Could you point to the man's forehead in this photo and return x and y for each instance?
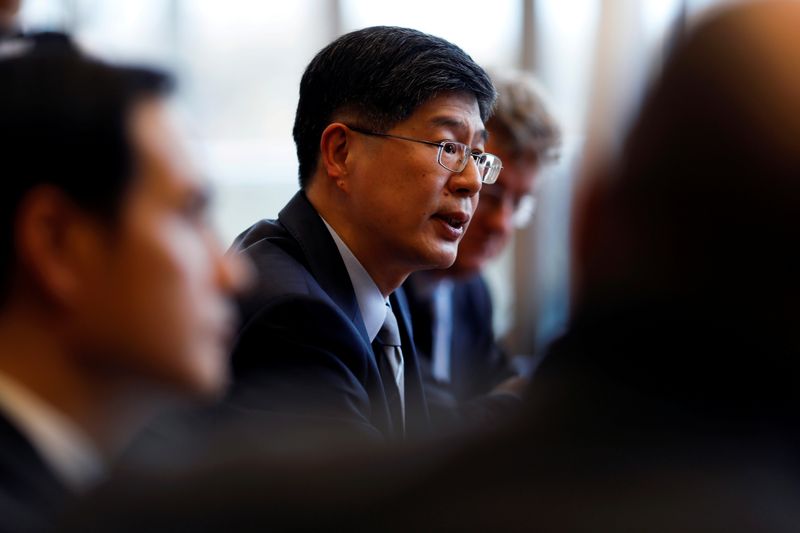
(461, 124)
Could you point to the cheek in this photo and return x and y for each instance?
(164, 275)
(505, 237)
(472, 239)
(181, 271)
(480, 243)
(471, 247)
(419, 178)
(406, 202)
(172, 309)
(428, 194)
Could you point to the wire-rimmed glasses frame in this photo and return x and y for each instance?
(489, 165)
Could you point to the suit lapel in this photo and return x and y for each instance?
(417, 420)
(25, 475)
(325, 263)
(305, 225)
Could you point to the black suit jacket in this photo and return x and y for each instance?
(302, 353)
(30, 493)
(477, 364)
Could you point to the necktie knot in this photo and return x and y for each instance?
(389, 334)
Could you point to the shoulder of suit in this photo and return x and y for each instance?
(475, 286)
(280, 265)
(272, 250)
(263, 230)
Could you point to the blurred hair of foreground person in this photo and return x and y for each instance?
(114, 297)
(671, 403)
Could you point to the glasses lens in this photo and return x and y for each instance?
(453, 156)
(523, 213)
(489, 167)
(494, 197)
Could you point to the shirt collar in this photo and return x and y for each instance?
(60, 443)
(371, 303)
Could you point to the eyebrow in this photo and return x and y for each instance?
(457, 124)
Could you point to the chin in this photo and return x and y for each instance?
(205, 388)
(440, 257)
(446, 261)
(208, 376)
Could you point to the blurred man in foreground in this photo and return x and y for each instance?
(9, 10)
(114, 297)
(451, 309)
(671, 404)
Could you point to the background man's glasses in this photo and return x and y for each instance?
(453, 156)
(522, 207)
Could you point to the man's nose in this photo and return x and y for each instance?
(467, 182)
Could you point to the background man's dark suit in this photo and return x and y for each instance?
(30, 493)
(303, 355)
(477, 364)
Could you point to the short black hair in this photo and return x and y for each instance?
(382, 75)
(63, 122)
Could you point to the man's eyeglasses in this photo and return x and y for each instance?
(453, 156)
(522, 207)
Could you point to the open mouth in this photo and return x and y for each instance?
(453, 221)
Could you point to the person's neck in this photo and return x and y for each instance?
(387, 277)
(106, 412)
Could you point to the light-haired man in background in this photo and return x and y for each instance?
(452, 308)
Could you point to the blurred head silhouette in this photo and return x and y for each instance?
(115, 295)
(703, 204)
(8, 14)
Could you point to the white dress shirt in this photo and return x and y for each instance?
(371, 303)
(437, 292)
(442, 330)
(59, 442)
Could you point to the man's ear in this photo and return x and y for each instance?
(334, 147)
(57, 242)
